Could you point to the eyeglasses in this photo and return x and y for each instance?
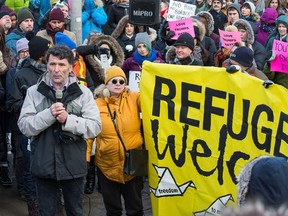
(24, 52)
(120, 81)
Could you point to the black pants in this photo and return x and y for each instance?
(131, 192)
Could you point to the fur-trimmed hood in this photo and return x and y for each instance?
(116, 52)
(248, 27)
(121, 27)
(243, 180)
(170, 54)
(209, 19)
(264, 178)
(102, 91)
(200, 25)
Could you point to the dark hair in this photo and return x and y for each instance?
(62, 52)
(3, 48)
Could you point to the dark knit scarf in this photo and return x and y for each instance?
(267, 28)
(139, 59)
(189, 60)
(248, 18)
(52, 32)
(37, 65)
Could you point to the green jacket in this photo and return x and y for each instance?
(276, 77)
(15, 5)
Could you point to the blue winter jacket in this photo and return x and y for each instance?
(93, 17)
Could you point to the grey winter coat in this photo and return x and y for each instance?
(58, 151)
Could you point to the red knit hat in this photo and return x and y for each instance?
(56, 14)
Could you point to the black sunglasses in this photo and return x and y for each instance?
(121, 82)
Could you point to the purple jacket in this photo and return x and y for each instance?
(266, 25)
(131, 65)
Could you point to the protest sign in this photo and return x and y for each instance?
(134, 80)
(228, 39)
(200, 132)
(280, 63)
(179, 10)
(181, 26)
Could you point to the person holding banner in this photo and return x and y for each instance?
(120, 115)
(144, 52)
(281, 35)
(243, 57)
(182, 51)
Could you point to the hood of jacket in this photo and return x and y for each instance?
(200, 25)
(269, 16)
(152, 33)
(282, 19)
(209, 19)
(247, 26)
(264, 178)
(102, 91)
(170, 54)
(120, 28)
(116, 52)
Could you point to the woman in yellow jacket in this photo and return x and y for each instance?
(125, 110)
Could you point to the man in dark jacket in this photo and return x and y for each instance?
(182, 51)
(220, 19)
(31, 69)
(59, 114)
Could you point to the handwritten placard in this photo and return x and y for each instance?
(280, 63)
(179, 10)
(228, 39)
(181, 26)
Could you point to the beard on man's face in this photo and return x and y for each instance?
(57, 29)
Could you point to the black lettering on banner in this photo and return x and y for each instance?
(221, 148)
(283, 119)
(186, 103)
(209, 109)
(171, 144)
(266, 145)
(244, 124)
(158, 97)
(205, 153)
(233, 161)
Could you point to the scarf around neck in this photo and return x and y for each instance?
(139, 59)
(51, 31)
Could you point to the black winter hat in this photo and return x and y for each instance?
(185, 40)
(243, 55)
(38, 46)
(3, 13)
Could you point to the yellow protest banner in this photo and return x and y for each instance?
(201, 126)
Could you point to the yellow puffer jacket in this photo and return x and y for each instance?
(109, 150)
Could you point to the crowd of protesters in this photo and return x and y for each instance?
(111, 45)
